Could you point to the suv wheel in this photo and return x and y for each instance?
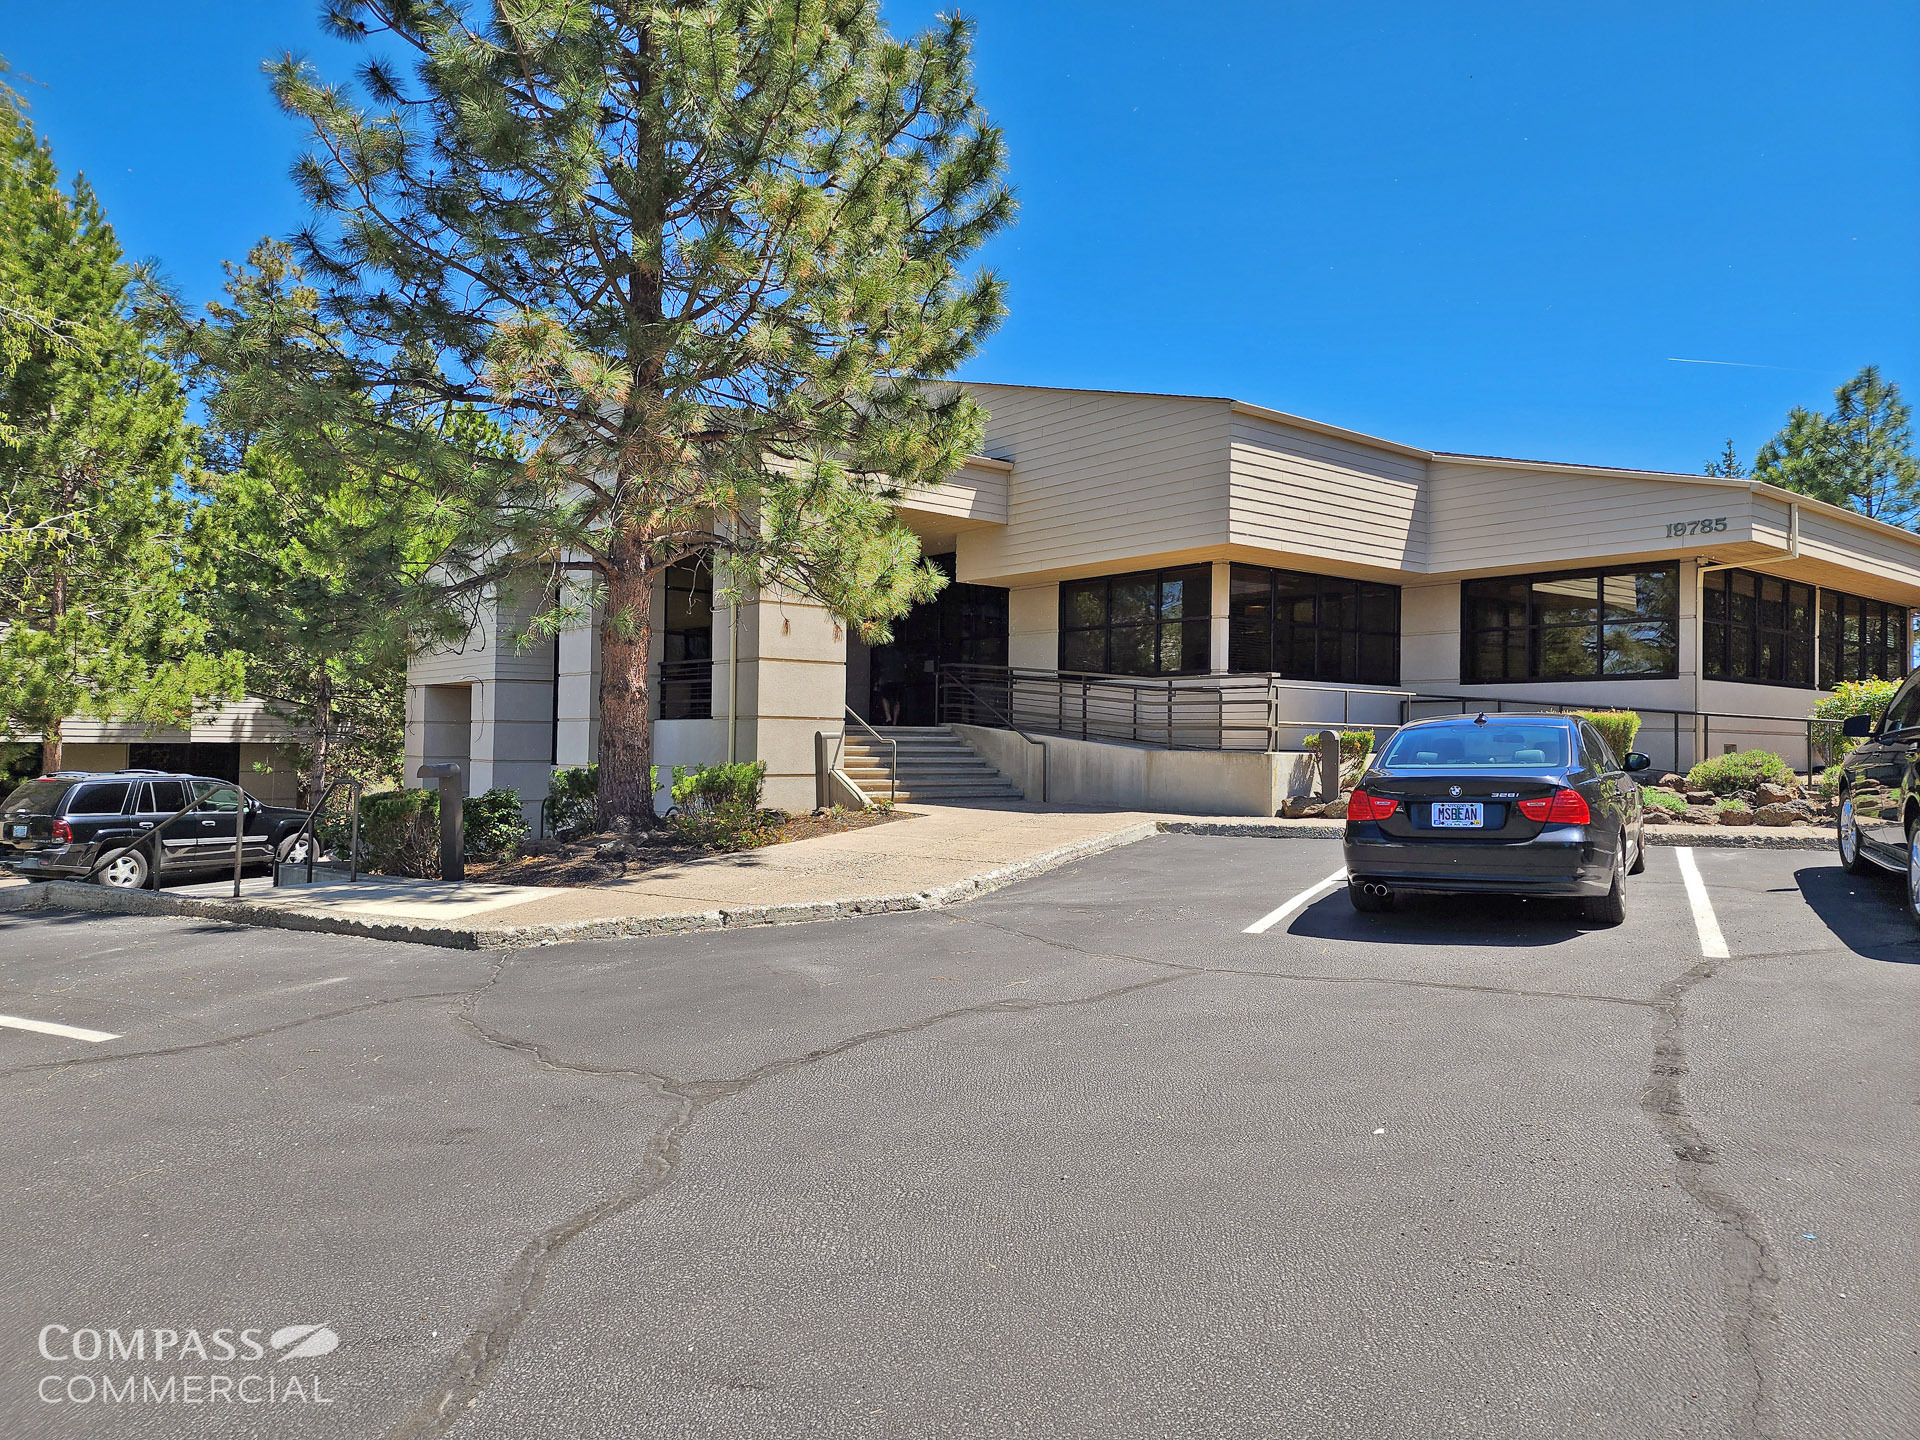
(293, 849)
(1847, 835)
(1913, 874)
(126, 871)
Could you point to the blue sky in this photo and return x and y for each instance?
(1481, 227)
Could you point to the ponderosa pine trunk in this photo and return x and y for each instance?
(322, 731)
(626, 720)
(50, 744)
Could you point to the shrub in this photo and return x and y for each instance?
(1849, 697)
(718, 806)
(493, 824)
(1617, 727)
(1355, 748)
(1829, 782)
(1743, 770)
(400, 833)
(572, 793)
(1665, 800)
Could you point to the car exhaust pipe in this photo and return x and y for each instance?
(1373, 887)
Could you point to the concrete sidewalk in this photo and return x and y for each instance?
(937, 855)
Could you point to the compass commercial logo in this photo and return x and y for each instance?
(230, 1365)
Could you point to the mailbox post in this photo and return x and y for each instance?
(1329, 765)
(453, 839)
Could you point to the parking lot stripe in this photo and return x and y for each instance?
(1298, 902)
(47, 1027)
(1713, 945)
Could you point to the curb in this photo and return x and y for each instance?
(68, 895)
(1700, 838)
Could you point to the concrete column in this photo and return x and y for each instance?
(579, 719)
(792, 684)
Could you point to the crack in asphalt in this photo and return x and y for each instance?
(1753, 1271)
(487, 1343)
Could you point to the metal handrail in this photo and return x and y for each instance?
(306, 829)
(893, 759)
(946, 678)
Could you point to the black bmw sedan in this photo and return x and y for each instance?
(1513, 804)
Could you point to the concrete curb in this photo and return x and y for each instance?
(66, 895)
(1697, 837)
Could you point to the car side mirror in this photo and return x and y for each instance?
(1635, 761)
(1857, 727)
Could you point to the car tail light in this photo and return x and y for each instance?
(63, 832)
(1563, 807)
(1362, 806)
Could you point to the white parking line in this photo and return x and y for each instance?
(1298, 902)
(1713, 945)
(47, 1027)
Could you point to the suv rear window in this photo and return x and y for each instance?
(163, 797)
(36, 797)
(100, 800)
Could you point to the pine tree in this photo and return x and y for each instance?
(700, 259)
(1860, 455)
(91, 436)
(1728, 465)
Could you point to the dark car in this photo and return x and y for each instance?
(114, 829)
(1880, 792)
(1513, 804)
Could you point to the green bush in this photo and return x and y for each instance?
(1829, 782)
(1356, 746)
(1849, 697)
(1617, 727)
(400, 833)
(572, 793)
(718, 806)
(1665, 800)
(493, 824)
(1743, 770)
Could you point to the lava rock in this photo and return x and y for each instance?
(1736, 816)
(1776, 815)
(1699, 797)
(1775, 794)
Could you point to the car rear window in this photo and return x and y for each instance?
(1495, 745)
(164, 797)
(109, 799)
(35, 797)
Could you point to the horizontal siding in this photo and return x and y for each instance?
(1490, 516)
(1100, 479)
(969, 494)
(1318, 495)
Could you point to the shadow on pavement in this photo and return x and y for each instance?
(1479, 920)
(1863, 911)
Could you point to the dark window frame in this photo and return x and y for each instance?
(686, 651)
(1343, 618)
(1195, 619)
(1840, 659)
(1737, 649)
(1532, 631)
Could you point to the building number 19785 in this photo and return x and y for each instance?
(1697, 527)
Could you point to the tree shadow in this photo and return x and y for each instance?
(1443, 920)
(1865, 912)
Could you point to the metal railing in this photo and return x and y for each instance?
(893, 753)
(306, 830)
(686, 690)
(956, 695)
(1180, 712)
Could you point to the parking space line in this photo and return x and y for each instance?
(47, 1027)
(1298, 902)
(1713, 945)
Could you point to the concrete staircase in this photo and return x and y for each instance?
(937, 767)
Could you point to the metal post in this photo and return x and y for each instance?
(1169, 714)
(353, 855)
(239, 834)
(453, 847)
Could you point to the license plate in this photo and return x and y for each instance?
(1457, 817)
(19, 832)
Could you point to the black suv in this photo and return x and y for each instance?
(77, 825)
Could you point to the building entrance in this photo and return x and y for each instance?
(962, 625)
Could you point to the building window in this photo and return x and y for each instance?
(686, 662)
(1757, 628)
(1861, 639)
(1150, 623)
(1584, 625)
(1313, 627)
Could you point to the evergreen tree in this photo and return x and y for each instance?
(1728, 465)
(322, 571)
(1860, 455)
(91, 436)
(700, 259)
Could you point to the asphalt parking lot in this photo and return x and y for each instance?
(1083, 1157)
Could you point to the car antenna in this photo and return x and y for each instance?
(1481, 718)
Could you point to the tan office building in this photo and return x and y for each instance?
(1166, 595)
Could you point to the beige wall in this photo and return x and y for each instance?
(1033, 627)
(1317, 496)
(793, 683)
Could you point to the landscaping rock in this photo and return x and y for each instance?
(1698, 815)
(1656, 816)
(1776, 815)
(1336, 810)
(1775, 794)
(1671, 781)
(1298, 807)
(1736, 816)
(1699, 797)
